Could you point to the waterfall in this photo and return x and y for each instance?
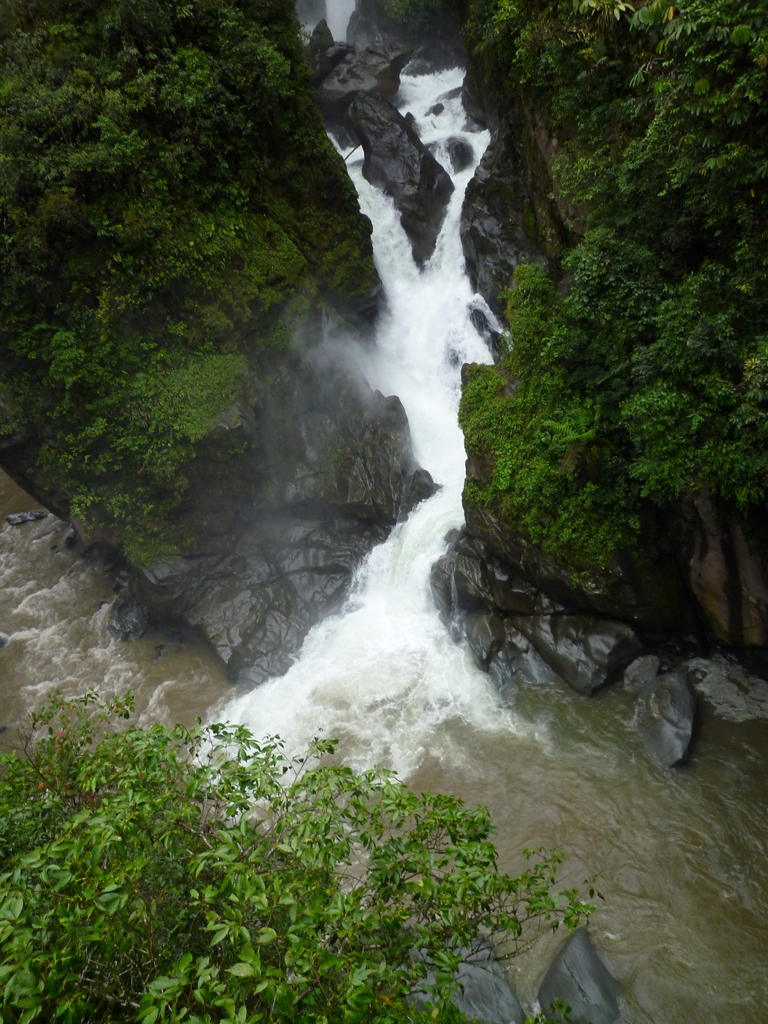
(383, 675)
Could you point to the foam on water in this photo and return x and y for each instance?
(384, 675)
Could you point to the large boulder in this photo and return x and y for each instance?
(323, 54)
(485, 993)
(128, 619)
(587, 652)
(664, 714)
(376, 69)
(397, 162)
(579, 978)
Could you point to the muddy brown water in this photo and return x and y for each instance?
(679, 856)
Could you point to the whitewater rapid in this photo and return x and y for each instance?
(383, 675)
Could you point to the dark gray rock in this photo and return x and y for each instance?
(419, 487)
(4, 638)
(580, 979)
(485, 635)
(460, 152)
(664, 714)
(587, 652)
(487, 332)
(439, 47)
(18, 518)
(642, 671)
(397, 162)
(485, 994)
(441, 584)
(373, 70)
(323, 54)
(517, 660)
(435, 109)
(128, 619)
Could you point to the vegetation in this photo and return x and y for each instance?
(175, 875)
(168, 202)
(648, 380)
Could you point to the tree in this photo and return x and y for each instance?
(199, 875)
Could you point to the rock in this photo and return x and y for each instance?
(586, 651)
(397, 162)
(485, 994)
(70, 541)
(664, 714)
(441, 584)
(511, 212)
(410, 120)
(518, 660)
(323, 54)
(460, 152)
(733, 692)
(435, 109)
(4, 638)
(488, 332)
(642, 671)
(420, 487)
(438, 47)
(128, 619)
(728, 572)
(18, 518)
(581, 980)
(485, 635)
(373, 70)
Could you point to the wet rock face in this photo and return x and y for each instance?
(436, 49)
(322, 469)
(516, 630)
(579, 978)
(728, 574)
(375, 69)
(397, 162)
(128, 619)
(664, 714)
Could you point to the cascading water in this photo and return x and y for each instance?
(681, 856)
(384, 675)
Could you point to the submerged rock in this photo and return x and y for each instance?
(18, 518)
(397, 162)
(664, 714)
(4, 638)
(580, 979)
(128, 619)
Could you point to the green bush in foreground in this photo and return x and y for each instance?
(167, 874)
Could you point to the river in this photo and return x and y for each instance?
(680, 856)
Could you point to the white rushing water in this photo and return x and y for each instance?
(384, 676)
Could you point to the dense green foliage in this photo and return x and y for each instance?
(648, 380)
(169, 875)
(166, 187)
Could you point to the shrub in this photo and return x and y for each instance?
(200, 875)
